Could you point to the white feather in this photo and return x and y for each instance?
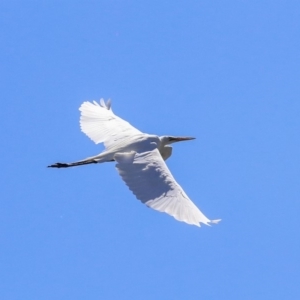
(149, 178)
(101, 125)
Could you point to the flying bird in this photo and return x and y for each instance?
(140, 161)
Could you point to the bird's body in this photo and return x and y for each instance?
(140, 161)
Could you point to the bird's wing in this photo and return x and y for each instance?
(101, 125)
(149, 178)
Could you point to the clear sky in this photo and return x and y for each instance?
(226, 72)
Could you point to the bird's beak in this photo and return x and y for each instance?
(181, 138)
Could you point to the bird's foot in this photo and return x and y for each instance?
(59, 165)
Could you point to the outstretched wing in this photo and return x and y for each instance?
(149, 178)
(101, 125)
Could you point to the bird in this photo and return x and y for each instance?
(140, 161)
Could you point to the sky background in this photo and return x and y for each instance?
(226, 72)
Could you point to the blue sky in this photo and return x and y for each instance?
(226, 72)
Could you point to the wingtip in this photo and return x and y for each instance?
(215, 221)
(108, 104)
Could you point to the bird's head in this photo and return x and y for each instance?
(167, 140)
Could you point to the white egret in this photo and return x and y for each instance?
(140, 161)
